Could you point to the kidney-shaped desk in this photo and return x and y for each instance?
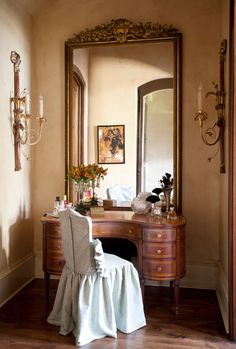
(160, 244)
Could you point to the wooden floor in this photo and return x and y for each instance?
(199, 325)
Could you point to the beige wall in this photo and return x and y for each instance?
(16, 221)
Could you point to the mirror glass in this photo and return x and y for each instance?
(135, 83)
(157, 140)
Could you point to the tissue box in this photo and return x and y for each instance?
(96, 210)
(109, 202)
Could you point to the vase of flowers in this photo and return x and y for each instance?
(86, 177)
(166, 183)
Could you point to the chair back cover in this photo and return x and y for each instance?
(76, 233)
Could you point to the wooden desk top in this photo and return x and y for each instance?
(128, 217)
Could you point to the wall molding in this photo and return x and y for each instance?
(38, 264)
(16, 277)
(38, 267)
(222, 296)
(201, 275)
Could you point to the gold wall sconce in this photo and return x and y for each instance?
(23, 131)
(215, 134)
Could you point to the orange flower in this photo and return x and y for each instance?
(86, 173)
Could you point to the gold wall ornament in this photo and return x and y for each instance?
(215, 134)
(121, 30)
(22, 131)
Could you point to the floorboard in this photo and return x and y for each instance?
(198, 325)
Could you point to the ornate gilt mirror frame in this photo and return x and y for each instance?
(120, 32)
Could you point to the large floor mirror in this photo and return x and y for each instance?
(131, 74)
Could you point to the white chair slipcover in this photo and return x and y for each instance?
(97, 293)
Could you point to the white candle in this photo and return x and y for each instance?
(41, 106)
(199, 97)
(27, 103)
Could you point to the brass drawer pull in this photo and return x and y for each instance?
(159, 251)
(61, 263)
(159, 268)
(159, 235)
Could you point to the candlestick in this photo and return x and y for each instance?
(23, 132)
(27, 103)
(199, 97)
(209, 134)
(41, 106)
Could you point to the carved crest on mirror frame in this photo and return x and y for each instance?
(121, 30)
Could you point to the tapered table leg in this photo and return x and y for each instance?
(176, 295)
(47, 286)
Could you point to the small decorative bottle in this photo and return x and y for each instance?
(65, 201)
(56, 205)
(172, 214)
(157, 210)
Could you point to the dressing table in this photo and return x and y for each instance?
(160, 245)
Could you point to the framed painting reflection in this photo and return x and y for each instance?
(111, 144)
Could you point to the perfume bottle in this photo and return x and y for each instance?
(157, 210)
(172, 216)
(56, 205)
(65, 201)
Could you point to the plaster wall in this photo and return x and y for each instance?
(16, 221)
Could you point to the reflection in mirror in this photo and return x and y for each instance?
(115, 61)
(77, 122)
(157, 124)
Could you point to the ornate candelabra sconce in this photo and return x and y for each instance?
(215, 134)
(22, 129)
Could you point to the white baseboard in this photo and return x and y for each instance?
(16, 277)
(200, 275)
(38, 267)
(38, 264)
(222, 296)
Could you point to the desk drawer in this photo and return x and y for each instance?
(54, 245)
(159, 269)
(55, 264)
(159, 250)
(117, 230)
(52, 230)
(159, 235)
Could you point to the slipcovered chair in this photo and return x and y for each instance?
(97, 293)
